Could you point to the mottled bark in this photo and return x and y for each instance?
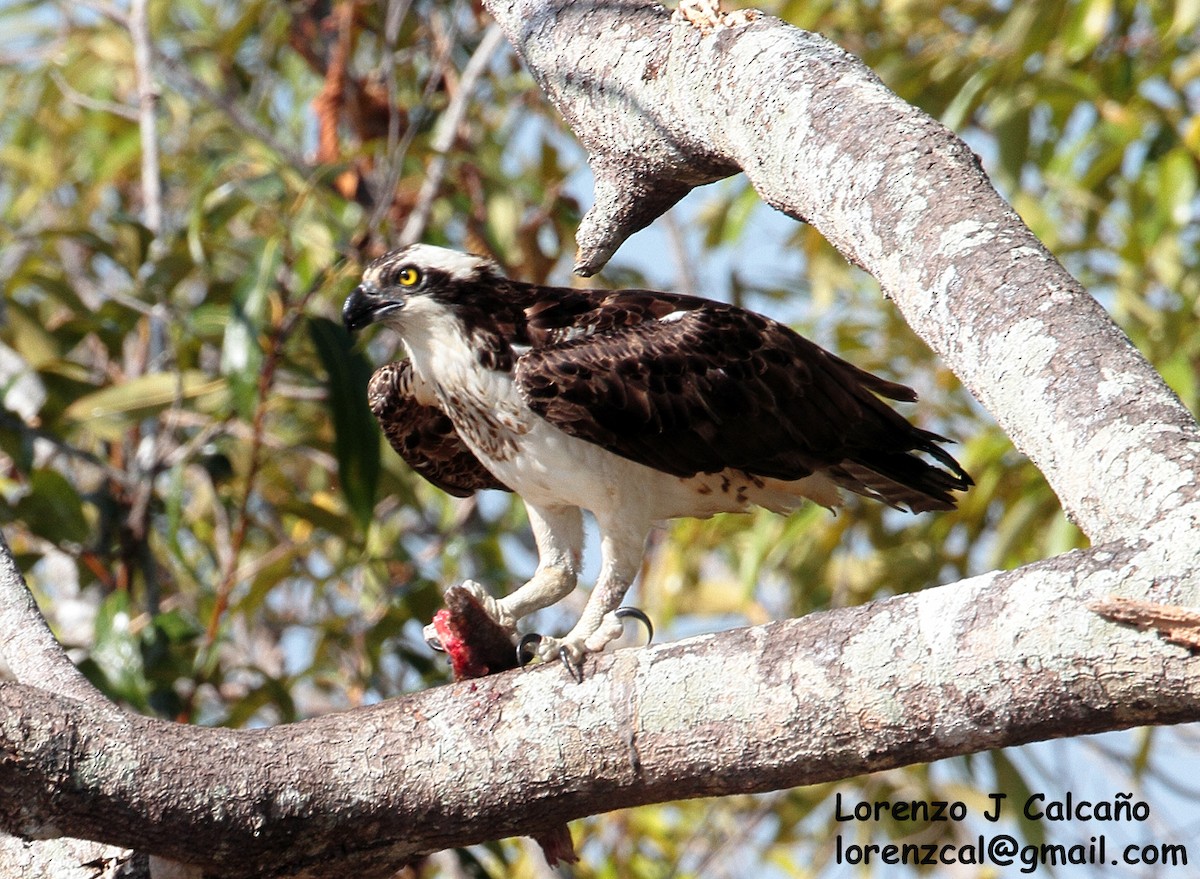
(996, 660)
(27, 645)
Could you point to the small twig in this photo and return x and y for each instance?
(184, 451)
(130, 302)
(447, 129)
(90, 103)
(397, 148)
(229, 550)
(273, 355)
(8, 421)
(107, 10)
(241, 527)
(684, 264)
(147, 91)
(146, 462)
(722, 850)
(185, 80)
(393, 166)
(241, 432)
(28, 56)
(1179, 625)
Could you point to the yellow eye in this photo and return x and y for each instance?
(408, 277)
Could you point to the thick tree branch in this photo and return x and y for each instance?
(996, 660)
(74, 859)
(33, 655)
(662, 107)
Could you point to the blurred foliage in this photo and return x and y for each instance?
(187, 472)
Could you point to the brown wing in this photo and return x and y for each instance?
(686, 386)
(423, 435)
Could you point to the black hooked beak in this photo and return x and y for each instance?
(365, 306)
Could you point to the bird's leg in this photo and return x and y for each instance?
(621, 548)
(558, 533)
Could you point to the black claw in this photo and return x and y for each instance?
(435, 644)
(525, 652)
(576, 671)
(638, 614)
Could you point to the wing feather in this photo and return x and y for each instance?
(423, 435)
(689, 386)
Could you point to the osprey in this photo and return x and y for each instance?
(636, 405)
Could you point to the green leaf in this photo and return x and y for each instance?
(356, 436)
(30, 339)
(167, 648)
(271, 692)
(116, 660)
(1088, 24)
(241, 353)
(53, 509)
(109, 411)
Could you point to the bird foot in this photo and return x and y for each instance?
(495, 607)
(576, 645)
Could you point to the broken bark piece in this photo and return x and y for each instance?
(1179, 625)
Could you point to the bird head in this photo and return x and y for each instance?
(413, 283)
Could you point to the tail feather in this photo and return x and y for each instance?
(903, 479)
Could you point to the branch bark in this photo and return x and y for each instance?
(27, 645)
(29, 649)
(995, 660)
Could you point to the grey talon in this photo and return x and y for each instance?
(638, 614)
(576, 671)
(525, 652)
